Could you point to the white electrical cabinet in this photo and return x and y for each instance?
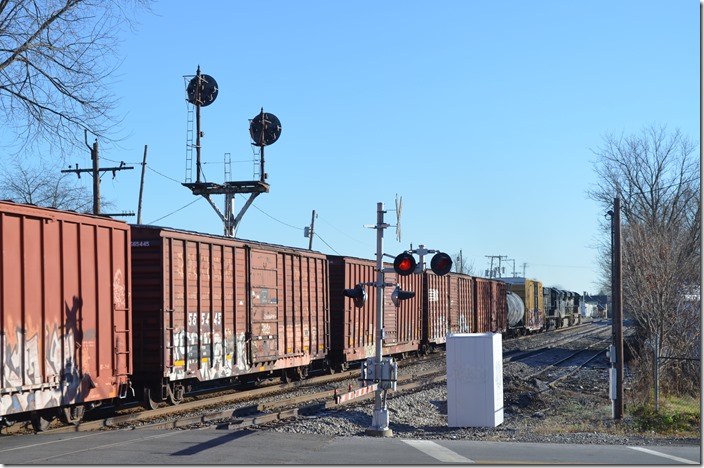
(475, 380)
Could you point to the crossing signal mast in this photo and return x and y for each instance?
(264, 129)
(379, 371)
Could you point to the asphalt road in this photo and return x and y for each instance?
(211, 446)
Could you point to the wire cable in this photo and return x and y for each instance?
(176, 211)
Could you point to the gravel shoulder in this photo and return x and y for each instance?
(554, 416)
(576, 411)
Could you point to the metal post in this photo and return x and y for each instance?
(229, 218)
(617, 323)
(96, 179)
(141, 187)
(656, 371)
(197, 104)
(312, 231)
(380, 418)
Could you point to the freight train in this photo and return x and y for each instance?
(95, 310)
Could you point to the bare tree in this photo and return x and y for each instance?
(55, 58)
(462, 265)
(44, 185)
(656, 176)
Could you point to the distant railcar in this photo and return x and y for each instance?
(458, 303)
(531, 293)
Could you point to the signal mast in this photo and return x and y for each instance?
(264, 130)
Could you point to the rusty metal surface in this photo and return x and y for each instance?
(449, 306)
(353, 330)
(65, 308)
(212, 307)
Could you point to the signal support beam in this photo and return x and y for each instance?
(229, 189)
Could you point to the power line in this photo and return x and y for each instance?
(318, 236)
(277, 220)
(176, 211)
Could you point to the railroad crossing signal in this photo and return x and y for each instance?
(405, 264)
(441, 264)
(358, 295)
(399, 295)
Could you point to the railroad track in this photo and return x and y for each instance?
(243, 408)
(182, 416)
(573, 334)
(558, 360)
(201, 408)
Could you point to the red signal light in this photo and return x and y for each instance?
(404, 264)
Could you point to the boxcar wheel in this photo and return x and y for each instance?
(286, 376)
(302, 372)
(4, 422)
(73, 414)
(175, 395)
(41, 421)
(148, 401)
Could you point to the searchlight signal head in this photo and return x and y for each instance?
(404, 264)
(358, 295)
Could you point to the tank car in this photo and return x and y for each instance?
(65, 313)
(211, 309)
(531, 294)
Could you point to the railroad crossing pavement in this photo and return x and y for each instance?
(243, 447)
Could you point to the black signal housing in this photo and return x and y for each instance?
(404, 264)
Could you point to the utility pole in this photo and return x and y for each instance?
(141, 187)
(312, 231)
(491, 267)
(513, 270)
(617, 320)
(95, 172)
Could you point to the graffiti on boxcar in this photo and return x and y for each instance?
(24, 387)
(118, 287)
(463, 324)
(208, 352)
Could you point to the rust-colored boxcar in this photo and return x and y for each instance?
(66, 319)
(353, 330)
(458, 303)
(210, 307)
(449, 306)
(490, 306)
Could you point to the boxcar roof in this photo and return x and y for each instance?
(36, 210)
(220, 238)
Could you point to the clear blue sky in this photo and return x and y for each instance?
(482, 115)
